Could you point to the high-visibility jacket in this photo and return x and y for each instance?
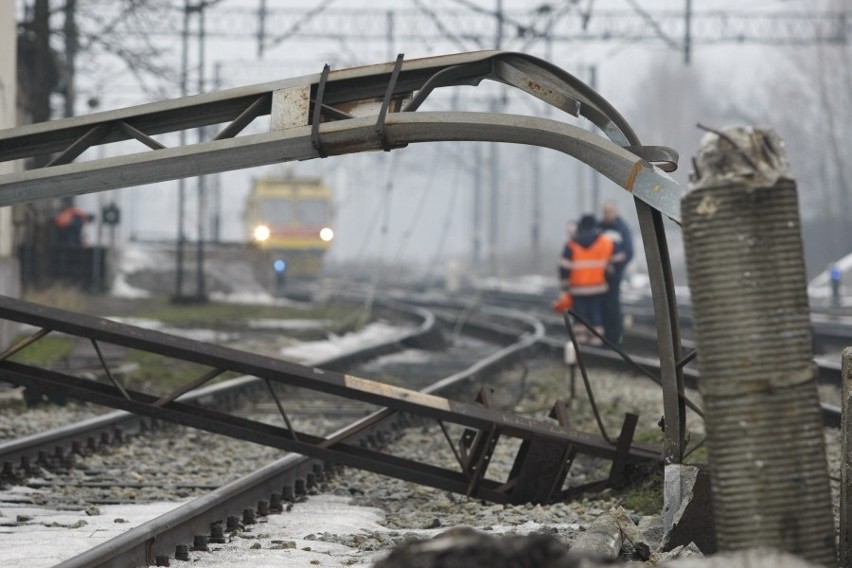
(70, 215)
(584, 267)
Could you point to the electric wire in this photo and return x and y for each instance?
(385, 206)
(447, 222)
(585, 375)
(629, 360)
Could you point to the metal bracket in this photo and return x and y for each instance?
(380, 121)
(315, 120)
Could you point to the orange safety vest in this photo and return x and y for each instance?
(588, 266)
(68, 215)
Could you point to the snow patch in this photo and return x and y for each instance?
(121, 289)
(289, 324)
(372, 334)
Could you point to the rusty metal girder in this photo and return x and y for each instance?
(366, 108)
(347, 119)
(488, 422)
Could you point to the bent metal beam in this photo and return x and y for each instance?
(361, 109)
(343, 137)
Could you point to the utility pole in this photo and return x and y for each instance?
(494, 169)
(535, 225)
(477, 205)
(687, 33)
(389, 18)
(201, 285)
(261, 28)
(181, 238)
(39, 58)
(216, 214)
(201, 288)
(596, 177)
(71, 46)
(535, 228)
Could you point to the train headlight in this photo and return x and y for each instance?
(261, 233)
(326, 234)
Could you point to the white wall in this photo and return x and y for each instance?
(8, 110)
(9, 272)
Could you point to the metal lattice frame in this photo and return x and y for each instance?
(370, 108)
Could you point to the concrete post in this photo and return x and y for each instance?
(846, 463)
(746, 272)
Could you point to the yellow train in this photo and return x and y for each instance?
(290, 220)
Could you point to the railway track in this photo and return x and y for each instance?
(291, 476)
(513, 334)
(61, 444)
(831, 332)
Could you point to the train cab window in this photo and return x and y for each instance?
(278, 211)
(313, 212)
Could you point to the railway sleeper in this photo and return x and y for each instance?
(540, 467)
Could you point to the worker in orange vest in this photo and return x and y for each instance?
(582, 271)
(69, 226)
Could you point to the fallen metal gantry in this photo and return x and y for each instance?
(373, 107)
(545, 454)
(366, 108)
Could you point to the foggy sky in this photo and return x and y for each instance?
(415, 205)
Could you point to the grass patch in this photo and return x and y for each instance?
(654, 437)
(47, 351)
(160, 375)
(227, 316)
(699, 454)
(61, 297)
(644, 490)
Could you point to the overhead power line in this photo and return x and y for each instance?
(476, 29)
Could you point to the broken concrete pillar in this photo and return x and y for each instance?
(603, 538)
(746, 272)
(846, 462)
(692, 521)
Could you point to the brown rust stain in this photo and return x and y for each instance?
(631, 177)
(535, 85)
(537, 89)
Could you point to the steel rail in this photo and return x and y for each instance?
(347, 101)
(829, 373)
(828, 370)
(476, 417)
(160, 536)
(30, 447)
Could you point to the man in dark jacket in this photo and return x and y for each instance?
(615, 227)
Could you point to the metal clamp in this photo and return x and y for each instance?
(380, 122)
(315, 120)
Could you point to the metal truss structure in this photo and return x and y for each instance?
(341, 112)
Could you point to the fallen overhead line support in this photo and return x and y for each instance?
(546, 451)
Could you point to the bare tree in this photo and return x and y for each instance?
(56, 42)
(59, 42)
(811, 105)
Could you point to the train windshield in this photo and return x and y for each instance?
(278, 211)
(313, 212)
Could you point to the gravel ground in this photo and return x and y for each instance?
(180, 462)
